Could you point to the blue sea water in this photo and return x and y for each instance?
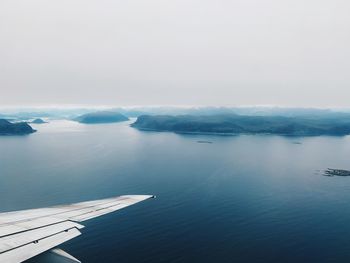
(239, 199)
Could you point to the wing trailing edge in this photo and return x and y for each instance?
(26, 234)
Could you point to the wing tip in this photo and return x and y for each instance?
(139, 197)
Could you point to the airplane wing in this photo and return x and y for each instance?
(25, 234)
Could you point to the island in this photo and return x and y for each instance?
(101, 117)
(240, 124)
(38, 121)
(20, 128)
(336, 172)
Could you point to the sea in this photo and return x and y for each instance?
(244, 198)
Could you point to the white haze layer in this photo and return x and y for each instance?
(181, 52)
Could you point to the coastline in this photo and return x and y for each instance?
(236, 134)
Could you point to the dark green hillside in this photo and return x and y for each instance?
(101, 117)
(235, 124)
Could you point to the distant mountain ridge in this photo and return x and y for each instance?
(101, 117)
(238, 124)
(20, 128)
(71, 113)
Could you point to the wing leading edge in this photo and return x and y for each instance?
(25, 234)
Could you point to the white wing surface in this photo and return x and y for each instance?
(25, 234)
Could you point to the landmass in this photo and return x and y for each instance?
(38, 121)
(240, 124)
(101, 117)
(336, 172)
(20, 128)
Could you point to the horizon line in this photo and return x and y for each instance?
(179, 106)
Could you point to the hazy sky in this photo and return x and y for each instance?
(178, 52)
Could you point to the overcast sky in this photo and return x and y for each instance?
(175, 52)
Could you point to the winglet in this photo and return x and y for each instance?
(64, 255)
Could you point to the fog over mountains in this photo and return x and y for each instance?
(74, 112)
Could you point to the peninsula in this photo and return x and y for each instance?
(20, 128)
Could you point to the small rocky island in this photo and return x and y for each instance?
(101, 117)
(208, 142)
(38, 121)
(336, 172)
(20, 128)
